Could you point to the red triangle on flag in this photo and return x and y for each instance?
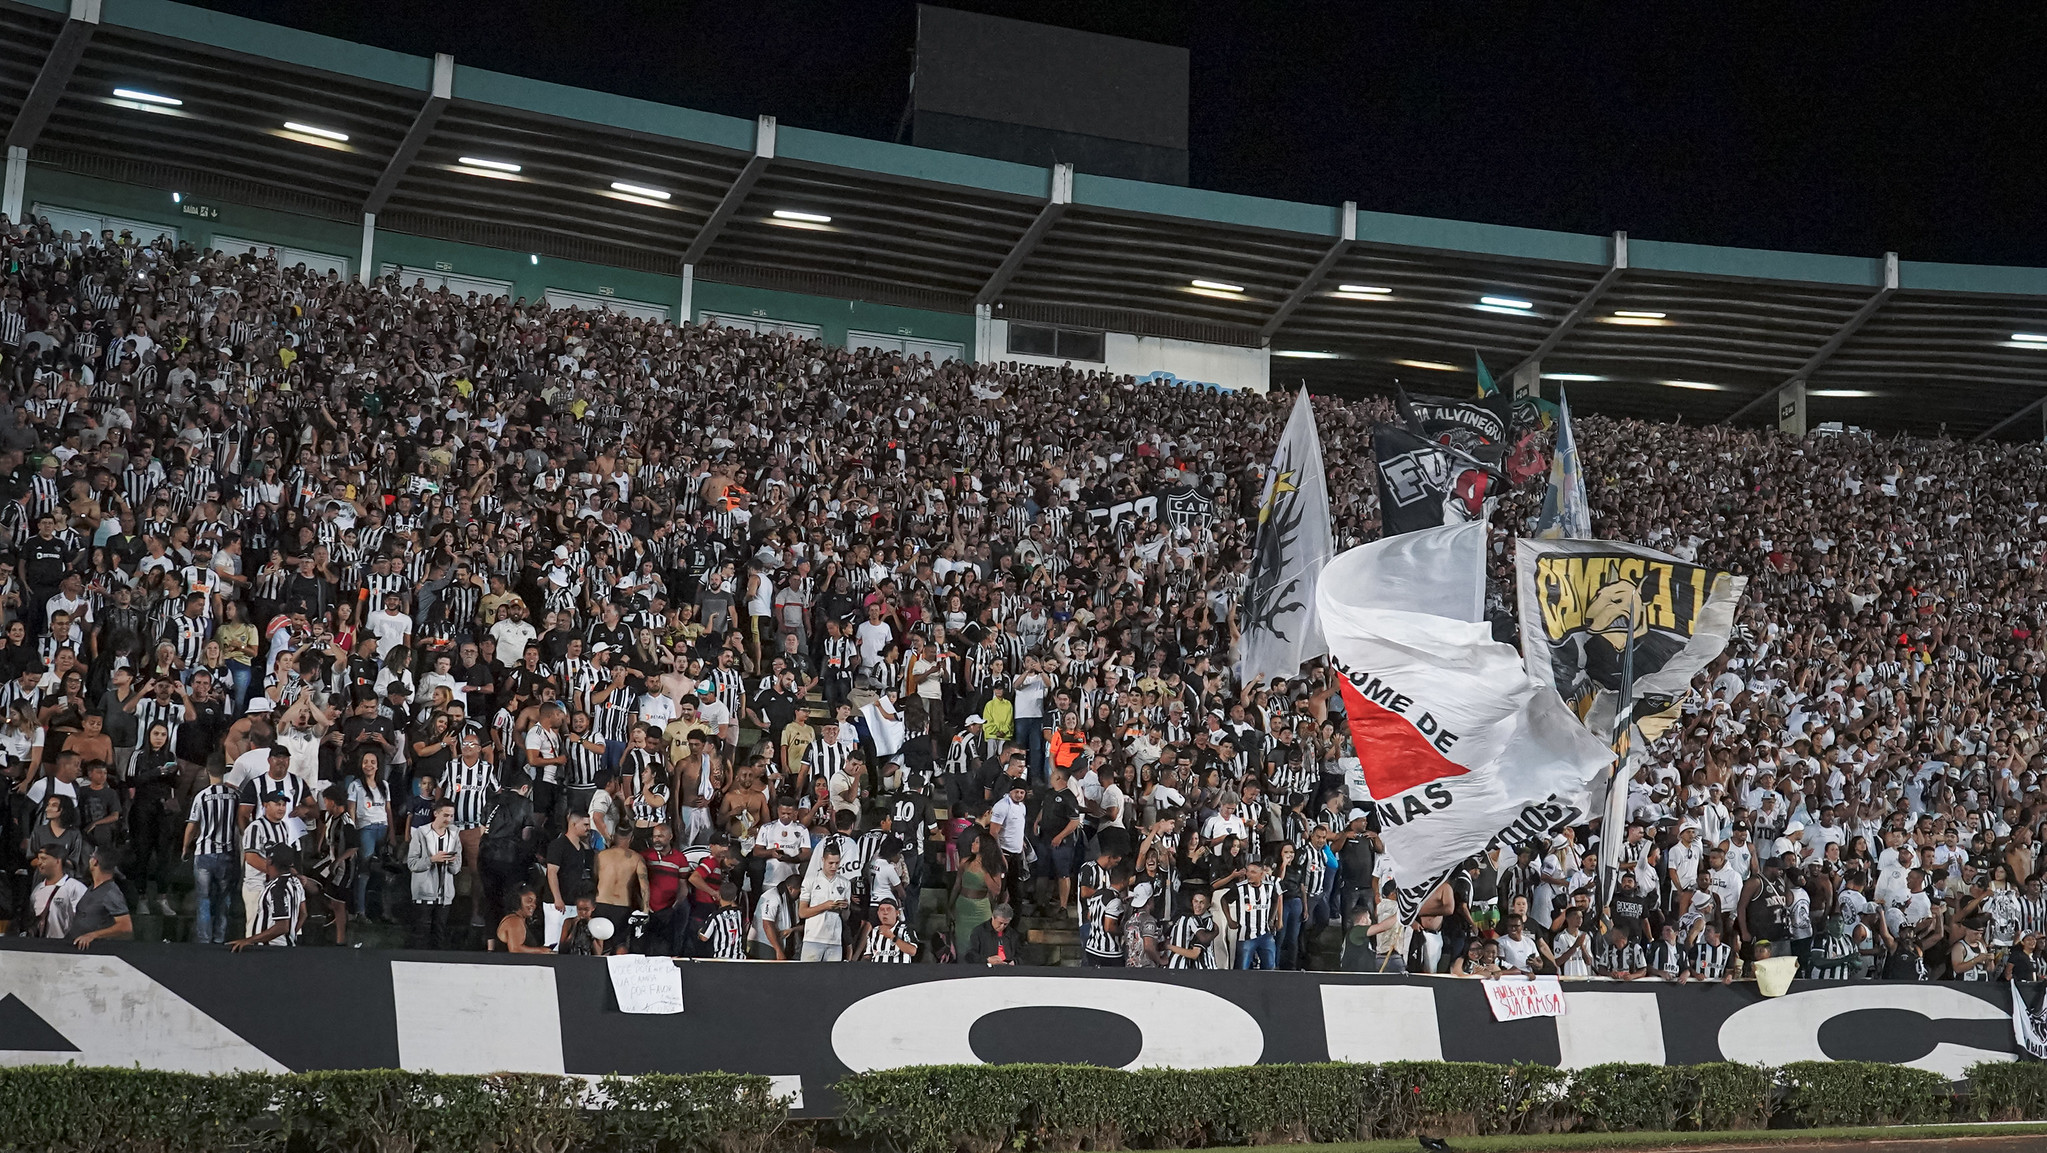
(1395, 755)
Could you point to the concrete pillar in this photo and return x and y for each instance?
(1791, 408)
(985, 351)
(365, 271)
(1527, 380)
(689, 291)
(17, 183)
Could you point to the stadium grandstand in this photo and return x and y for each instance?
(450, 511)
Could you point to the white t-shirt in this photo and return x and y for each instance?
(780, 836)
(390, 629)
(821, 889)
(1219, 826)
(1009, 813)
(873, 636)
(772, 911)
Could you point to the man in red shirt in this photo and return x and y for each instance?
(713, 862)
(666, 867)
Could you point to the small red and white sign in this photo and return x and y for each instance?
(1519, 998)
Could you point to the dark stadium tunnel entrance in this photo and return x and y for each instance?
(1896, 1036)
(1057, 1034)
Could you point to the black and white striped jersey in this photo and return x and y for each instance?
(282, 900)
(213, 812)
(876, 945)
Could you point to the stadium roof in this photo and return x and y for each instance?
(1632, 326)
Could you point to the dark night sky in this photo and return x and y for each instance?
(1849, 128)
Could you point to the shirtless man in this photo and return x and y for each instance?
(621, 885)
(744, 806)
(696, 788)
(91, 742)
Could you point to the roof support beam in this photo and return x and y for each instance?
(1346, 237)
(2008, 421)
(1055, 207)
(1825, 352)
(742, 184)
(1582, 309)
(415, 137)
(55, 75)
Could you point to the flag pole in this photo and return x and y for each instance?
(1623, 721)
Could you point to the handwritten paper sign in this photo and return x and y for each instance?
(1519, 998)
(645, 984)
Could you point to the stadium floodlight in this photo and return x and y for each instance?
(492, 165)
(638, 190)
(1701, 385)
(1635, 314)
(1431, 365)
(802, 217)
(2038, 339)
(1573, 377)
(148, 97)
(1218, 286)
(1303, 354)
(1843, 393)
(311, 130)
(1507, 302)
(1363, 290)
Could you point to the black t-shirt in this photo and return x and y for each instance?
(1057, 809)
(578, 868)
(1358, 859)
(199, 737)
(777, 706)
(912, 815)
(43, 562)
(1628, 909)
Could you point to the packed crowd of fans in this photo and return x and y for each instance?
(561, 630)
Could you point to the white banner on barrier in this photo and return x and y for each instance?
(645, 984)
(1519, 998)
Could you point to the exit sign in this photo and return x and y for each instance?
(202, 211)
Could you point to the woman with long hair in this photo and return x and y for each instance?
(238, 647)
(153, 817)
(979, 878)
(369, 803)
(57, 831)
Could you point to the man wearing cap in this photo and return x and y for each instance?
(53, 900)
(259, 835)
(1143, 935)
(282, 912)
(890, 940)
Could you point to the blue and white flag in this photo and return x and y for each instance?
(1566, 515)
(1293, 542)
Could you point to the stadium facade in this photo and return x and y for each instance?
(147, 114)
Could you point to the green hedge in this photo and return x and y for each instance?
(973, 1109)
(64, 1109)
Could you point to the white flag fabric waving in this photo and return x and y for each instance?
(1460, 745)
(1292, 543)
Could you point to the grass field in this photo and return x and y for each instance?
(1962, 1138)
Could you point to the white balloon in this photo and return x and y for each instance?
(600, 928)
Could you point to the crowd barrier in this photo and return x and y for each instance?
(193, 1009)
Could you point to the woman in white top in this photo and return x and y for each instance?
(369, 803)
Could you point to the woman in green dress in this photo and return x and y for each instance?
(979, 877)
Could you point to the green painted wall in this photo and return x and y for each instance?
(834, 316)
(70, 190)
(529, 278)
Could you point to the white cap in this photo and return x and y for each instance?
(1355, 815)
(976, 719)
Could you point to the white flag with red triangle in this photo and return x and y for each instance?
(1459, 745)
